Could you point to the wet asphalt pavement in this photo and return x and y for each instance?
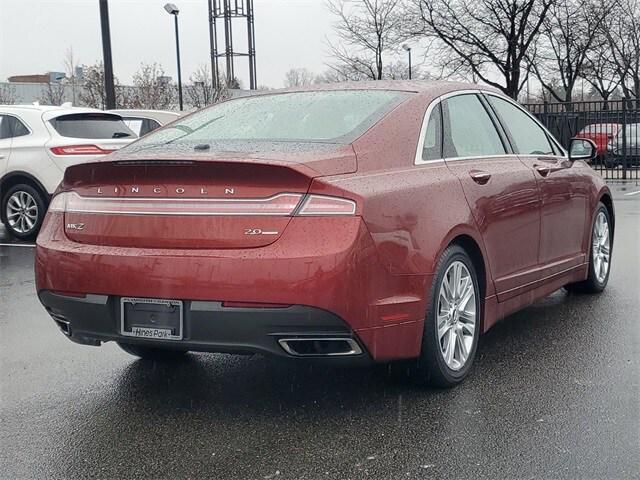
(554, 394)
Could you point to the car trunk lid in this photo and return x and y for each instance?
(223, 201)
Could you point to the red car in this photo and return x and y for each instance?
(601, 134)
(357, 223)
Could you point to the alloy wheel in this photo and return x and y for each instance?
(22, 212)
(456, 315)
(601, 251)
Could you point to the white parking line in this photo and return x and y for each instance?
(28, 245)
(632, 193)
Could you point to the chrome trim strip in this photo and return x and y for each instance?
(425, 121)
(204, 201)
(355, 348)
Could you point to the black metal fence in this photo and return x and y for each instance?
(614, 126)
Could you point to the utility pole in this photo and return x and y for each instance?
(109, 86)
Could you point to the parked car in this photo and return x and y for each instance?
(346, 223)
(601, 134)
(37, 143)
(142, 122)
(625, 144)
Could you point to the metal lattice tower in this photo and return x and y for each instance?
(227, 11)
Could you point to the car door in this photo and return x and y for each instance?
(564, 188)
(5, 144)
(501, 191)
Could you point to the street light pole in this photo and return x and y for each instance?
(408, 49)
(173, 10)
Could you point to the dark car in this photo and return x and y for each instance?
(624, 149)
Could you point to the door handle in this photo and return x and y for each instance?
(479, 176)
(543, 170)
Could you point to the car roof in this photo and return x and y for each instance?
(426, 86)
(49, 108)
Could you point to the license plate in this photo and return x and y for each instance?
(151, 318)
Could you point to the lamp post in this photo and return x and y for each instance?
(408, 49)
(173, 10)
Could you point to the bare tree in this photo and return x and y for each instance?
(298, 77)
(70, 65)
(484, 38)
(599, 69)
(93, 93)
(623, 36)
(341, 73)
(53, 93)
(201, 92)
(8, 94)
(152, 89)
(568, 33)
(367, 30)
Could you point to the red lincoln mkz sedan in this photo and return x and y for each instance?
(357, 223)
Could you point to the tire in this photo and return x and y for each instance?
(600, 249)
(23, 210)
(152, 353)
(438, 365)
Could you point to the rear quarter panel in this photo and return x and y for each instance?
(412, 211)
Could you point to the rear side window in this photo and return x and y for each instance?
(528, 137)
(469, 130)
(11, 127)
(432, 149)
(140, 126)
(91, 125)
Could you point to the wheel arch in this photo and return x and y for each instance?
(15, 178)
(473, 246)
(607, 201)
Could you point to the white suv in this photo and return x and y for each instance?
(37, 144)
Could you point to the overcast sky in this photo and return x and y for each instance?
(34, 35)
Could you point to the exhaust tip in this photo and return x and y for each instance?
(320, 346)
(62, 323)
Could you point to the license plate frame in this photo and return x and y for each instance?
(146, 330)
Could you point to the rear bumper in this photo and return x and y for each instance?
(208, 327)
(326, 268)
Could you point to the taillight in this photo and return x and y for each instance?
(283, 204)
(79, 150)
(323, 205)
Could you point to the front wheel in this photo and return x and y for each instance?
(599, 255)
(452, 324)
(152, 353)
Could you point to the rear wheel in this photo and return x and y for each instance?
(599, 256)
(452, 324)
(23, 209)
(152, 353)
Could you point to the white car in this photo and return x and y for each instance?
(37, 144)
(142, 122)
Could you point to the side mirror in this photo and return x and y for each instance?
(582, 149)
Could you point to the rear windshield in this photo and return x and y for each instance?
(336, 116)
(91, 125)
